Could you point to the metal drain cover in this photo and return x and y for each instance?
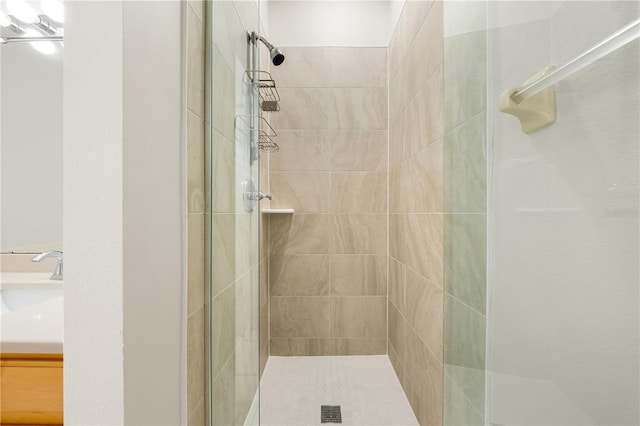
(330, 414)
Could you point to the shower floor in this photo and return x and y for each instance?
(292, 390)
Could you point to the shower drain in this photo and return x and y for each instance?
(330, 414)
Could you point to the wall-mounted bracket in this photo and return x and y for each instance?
(535, 112)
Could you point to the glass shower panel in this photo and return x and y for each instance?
(465, 218)
(564, 229)
(234, 220)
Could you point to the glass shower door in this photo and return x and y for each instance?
(564, 232)
(234, 221)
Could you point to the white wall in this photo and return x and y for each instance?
(123, 220)
(332, 23)
(31, 149)
(564, 323)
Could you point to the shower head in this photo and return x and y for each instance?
(277, 57)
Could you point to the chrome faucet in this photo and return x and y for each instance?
(260, 196)
(57, 274)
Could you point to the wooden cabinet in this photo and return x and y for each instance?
(31, 389)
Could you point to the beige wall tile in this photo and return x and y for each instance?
(195, 164)
(398, 189)
(396, 362)
(299, 234)
(359, 192)
(301, 150)
(397, 327)
(195, 262)
(425, 115)
(424, 180)
(299, 347)
(299, 275)
(195, 359)
(358, 275)
(229, 35)
(424, 381)
(224, 175)
(304, 109)
(305, 192)
(429, 39)
(359, 109)
(359, 67)
(299, 317)
(425, 306)
(223, 328)
(397, 226)
(397, 284)
(304, 67)
(359, 316)
(423, 245)
(224, 98)
(358, 150)
(224, 395)
(397, 134)
(358, 346)
(223, 268)
(358, 234)
(198, 417)
(195, 63)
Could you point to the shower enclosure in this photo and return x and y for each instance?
(497, 269)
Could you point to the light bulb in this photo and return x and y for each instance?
(54, 9)
(43, 46)
(22, 11)
(4, 20)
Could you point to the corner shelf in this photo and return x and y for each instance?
(277, 211)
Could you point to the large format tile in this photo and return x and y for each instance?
(224, 171)
(465, 257)
(425, 311)
(424, 381)
(464, 349)
(223, 267)
(299, 234)
(223, 328)
(458, 410)
(424, 177)
(357, 275)
(299, 346)
(195, 262)
(359, 109)
(224, 99)
(224, 395)
(301, 150)
(397, 284)
(304, 67)
(424, 115)
(195, 359)
(423, 235)
(426, 51)
(358, 316)
(299, 275)
(195, 63)
(304, 109)
(358, 192)
(358, 234)
(358, 346)
(195, 164)
(397, 332)
(465, 162)
(358, 67)
(299, 317)
(358, 150)
(305, 192)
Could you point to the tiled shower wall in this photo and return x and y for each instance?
(328, 260)
(196, 208)
(416, 218)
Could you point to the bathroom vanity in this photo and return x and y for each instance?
(31, 338)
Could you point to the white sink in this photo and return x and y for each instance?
(21, 289)
(31, 306)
